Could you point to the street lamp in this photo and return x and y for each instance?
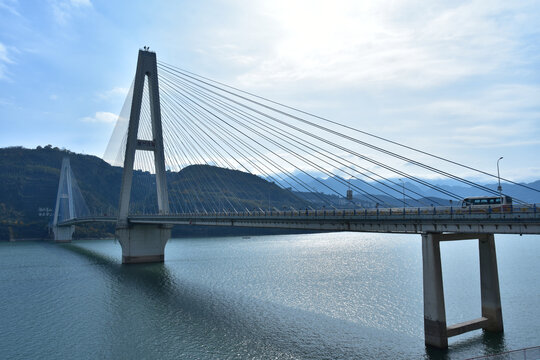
(499, 188)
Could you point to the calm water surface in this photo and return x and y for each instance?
(316, 296)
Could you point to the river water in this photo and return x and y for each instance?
(315, 296)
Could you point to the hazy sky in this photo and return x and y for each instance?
(458, 78)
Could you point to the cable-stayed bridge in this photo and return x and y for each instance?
(174, 120)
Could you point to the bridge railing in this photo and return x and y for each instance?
(431, 212)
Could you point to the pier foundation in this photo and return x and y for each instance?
(436, 331)
(63, 234)
(143, 243)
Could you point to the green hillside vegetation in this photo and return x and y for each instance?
(225, 188)
(29, 182)
(29, 179)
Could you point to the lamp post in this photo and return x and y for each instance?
(499, 188)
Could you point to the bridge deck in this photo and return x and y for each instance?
(497, 220)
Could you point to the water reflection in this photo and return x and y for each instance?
(478, 343)
(494, 343)
(153, 311)
(307, 297)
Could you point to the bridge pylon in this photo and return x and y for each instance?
(64, 199)
(142, 243)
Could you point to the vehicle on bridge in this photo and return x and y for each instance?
(486, 201)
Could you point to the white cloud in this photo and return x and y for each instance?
(113, 93)
(367, 43)
(101, 117)
(4, 59)
(501, 115)
(498, 102)
(63, 10)
(78, 3)
(3, 54)
(9, 5)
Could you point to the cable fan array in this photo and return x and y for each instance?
(221, 142)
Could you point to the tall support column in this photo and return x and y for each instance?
(489, 283)
(64, 197)
(434, 309)
(144, 243)
(435, 329)
(146, 67)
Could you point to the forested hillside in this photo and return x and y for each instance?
(29, 182)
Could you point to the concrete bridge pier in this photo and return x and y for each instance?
(143, 243)
(63, 234)
(436, 331)
(489, 284)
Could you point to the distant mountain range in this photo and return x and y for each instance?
(422, 194)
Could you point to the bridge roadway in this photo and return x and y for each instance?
(523, 219)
